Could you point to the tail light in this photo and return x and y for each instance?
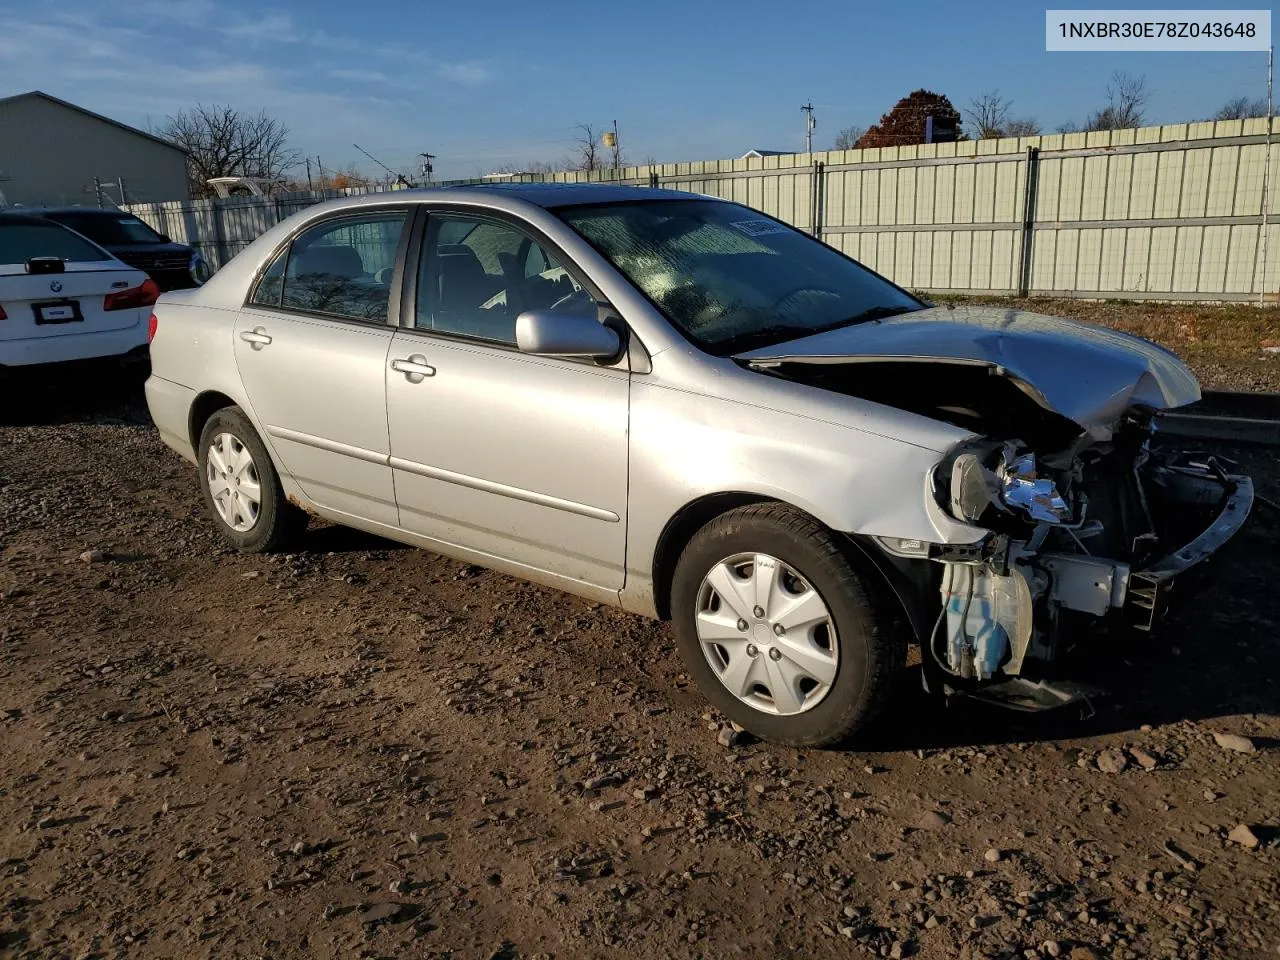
(3, 315)
(152, 323)
(143, 295)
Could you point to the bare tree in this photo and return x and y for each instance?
(988, 115)
(1127, 97)
(1241, 108)
(1022, 127)
(587, 150)
(847, 138)
(223, 142)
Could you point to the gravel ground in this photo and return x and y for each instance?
(361, 750)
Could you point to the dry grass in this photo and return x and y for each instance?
(1222, 344)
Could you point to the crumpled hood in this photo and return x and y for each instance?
(1089, 374)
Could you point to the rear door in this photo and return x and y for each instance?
(311, 347)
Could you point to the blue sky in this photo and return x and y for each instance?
(491, 82)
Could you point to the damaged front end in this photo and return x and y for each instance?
(1083, 522)
(1082, 538)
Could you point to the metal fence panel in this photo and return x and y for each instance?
(1168, 212)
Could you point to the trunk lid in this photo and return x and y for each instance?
(83, 284)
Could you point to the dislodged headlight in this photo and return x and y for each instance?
(1012, 486)
(199, 269)
(1038, 497)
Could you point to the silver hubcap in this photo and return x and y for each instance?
(767, 634)
(233, 482)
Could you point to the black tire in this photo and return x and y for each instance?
(278, 522)
(871, 643)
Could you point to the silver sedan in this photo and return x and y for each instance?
(686, 408)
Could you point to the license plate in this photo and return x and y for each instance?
(61, 311)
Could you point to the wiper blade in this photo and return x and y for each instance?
(786, 331)
(873, 313)
(781, 332)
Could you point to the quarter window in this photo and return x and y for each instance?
(477, 276)
(339, 267)
(267, 292)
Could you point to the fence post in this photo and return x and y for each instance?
(219, 233)
(1028, 220)
(816, 196)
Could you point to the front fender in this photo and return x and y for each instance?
(687, 447)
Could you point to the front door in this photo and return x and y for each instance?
(312, 347)
(508, 455)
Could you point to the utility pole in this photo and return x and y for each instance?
(309, 187)
(809, 124)
(427, 168)
(1266, 167)
(617, 148)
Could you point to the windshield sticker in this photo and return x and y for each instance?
(758, 228)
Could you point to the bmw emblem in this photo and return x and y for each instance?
(55, 286)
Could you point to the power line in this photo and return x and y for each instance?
(400, 177)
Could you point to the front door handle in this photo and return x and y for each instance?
(257, 337)
(414, 368)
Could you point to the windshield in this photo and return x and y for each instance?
(731, 279)
(118, 231)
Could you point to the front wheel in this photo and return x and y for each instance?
(780, 630)
(241, 487)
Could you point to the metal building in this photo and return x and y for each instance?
(54, 153)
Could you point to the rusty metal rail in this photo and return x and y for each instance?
(1229, 416)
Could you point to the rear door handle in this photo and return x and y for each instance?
(414, 368)
(258, 336)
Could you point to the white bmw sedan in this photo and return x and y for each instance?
(686, 408)
(62, 297)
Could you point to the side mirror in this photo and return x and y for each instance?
(546, 333)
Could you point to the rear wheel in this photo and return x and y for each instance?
(779, 628)
(242, 488)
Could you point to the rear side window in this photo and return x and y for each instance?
(19, 242)
(341, 268)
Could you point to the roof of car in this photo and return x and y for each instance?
(15, 217)
(91, 211)
(568, 194)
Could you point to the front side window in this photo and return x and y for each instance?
(342, 268)
(730, 278)
(476, 276)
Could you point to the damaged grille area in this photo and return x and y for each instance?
(1136, 520)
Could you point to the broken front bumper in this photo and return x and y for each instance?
(1009, 614)
(1152, 590)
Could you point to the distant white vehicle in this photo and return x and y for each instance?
(63, 297)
